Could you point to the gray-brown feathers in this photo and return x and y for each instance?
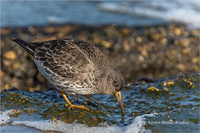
(74, 65)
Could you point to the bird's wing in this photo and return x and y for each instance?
(61, 57)
(92, 52)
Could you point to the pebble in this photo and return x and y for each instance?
(106, 44)
(6, 86)
(180, 66)
(10, 55)
(177, 31)
(186, 51)
(170, 82)
(2, 73)
(16, 65)
(153, 51)
(5, 31)
(195, 60)
(184, 42)
(151, 89)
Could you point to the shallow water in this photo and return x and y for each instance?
(134, 13)
(148, 107)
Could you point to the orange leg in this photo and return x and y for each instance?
(70, 104)
(88, 97)
(84, 96)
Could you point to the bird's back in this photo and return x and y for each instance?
(67, 63)
(37, 49)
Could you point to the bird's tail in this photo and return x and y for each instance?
(25, 45)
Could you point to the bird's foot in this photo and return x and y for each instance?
(76, 106)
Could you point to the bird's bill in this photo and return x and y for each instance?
(119, 99)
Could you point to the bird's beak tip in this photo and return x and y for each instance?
(119, 99)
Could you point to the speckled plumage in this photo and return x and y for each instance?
(74, 66)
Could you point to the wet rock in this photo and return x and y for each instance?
(168, 83)
(180, 100)
(151, 89)
(165, 89)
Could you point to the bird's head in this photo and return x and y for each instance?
(114, 82)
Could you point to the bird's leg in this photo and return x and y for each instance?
(88, 97)
(90, 103)
(94, 103)
(77, 98)
(70, 104)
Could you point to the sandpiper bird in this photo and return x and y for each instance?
(75, 66)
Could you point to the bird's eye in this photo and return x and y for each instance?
(115, 83)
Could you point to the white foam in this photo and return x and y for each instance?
(187, 11)
(54, 20)
(49, 125)
(183, 13)
(4, 116)
(114, 7)
(137, 124)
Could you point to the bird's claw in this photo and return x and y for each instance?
(71, 107)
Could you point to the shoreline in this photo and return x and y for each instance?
(93, 25)
(151, 51)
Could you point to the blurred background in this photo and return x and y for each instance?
(129, 13)
(152, 39)
(158, 39)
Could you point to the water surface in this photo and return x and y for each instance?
(130, 13)
(148, 107)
